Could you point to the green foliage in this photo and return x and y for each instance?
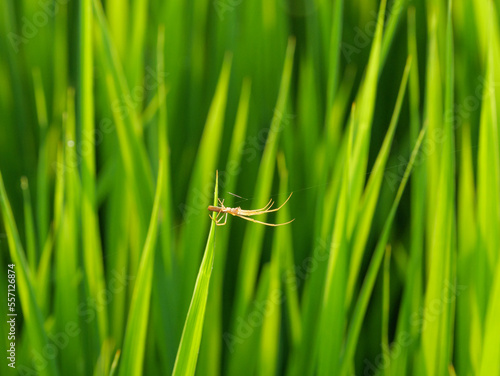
(380, 116)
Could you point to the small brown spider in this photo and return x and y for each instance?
(245, 214)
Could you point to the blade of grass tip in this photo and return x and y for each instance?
(371, 194)
(211, 345)
(135, 334)
(29, 222)
(451, 370)
(103, 362)
(42, 193)
(371, 274)
(114, 364)
(187, 353)
(31, 311)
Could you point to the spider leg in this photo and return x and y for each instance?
(221, 203)
(273, 210)
(265, 223)
(223, 223)
(268, 206)
(214, 218)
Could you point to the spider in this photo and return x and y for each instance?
(245, 214)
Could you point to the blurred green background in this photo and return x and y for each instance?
(380, 117)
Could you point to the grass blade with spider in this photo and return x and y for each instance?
(187, 353)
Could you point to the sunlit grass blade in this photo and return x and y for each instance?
(135, 336)
(187, 353)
